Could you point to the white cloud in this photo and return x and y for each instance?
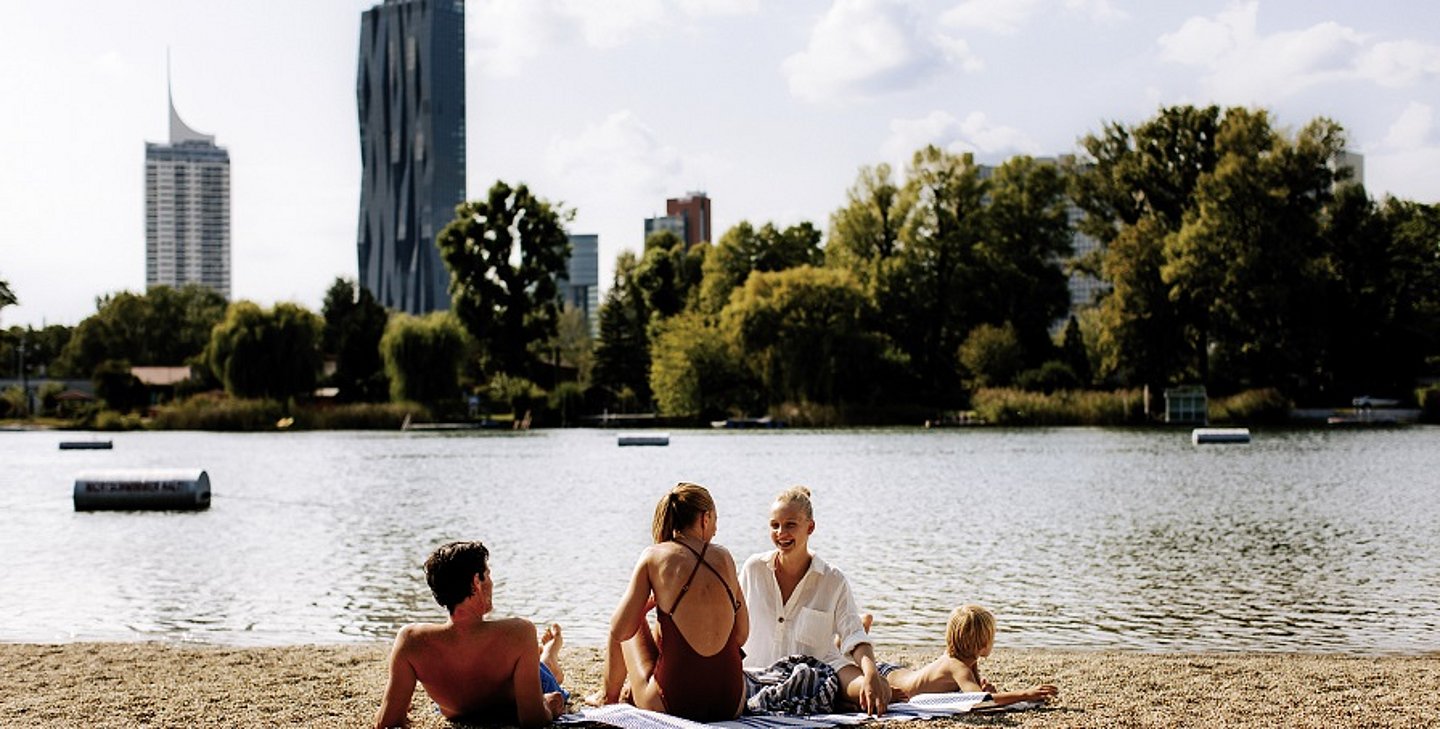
(864, 48)
(1008, 17)
(1002, 17)
(1406, 163)
(975, 133)
(501, 35)
(1399, 63)
(1247, 67)
(1411, 129)
(620, 153)
(1098, 10)
(504, 34)
(701, 8)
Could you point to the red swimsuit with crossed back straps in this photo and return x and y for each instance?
(696, 687)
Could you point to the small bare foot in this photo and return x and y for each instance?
(551, 641)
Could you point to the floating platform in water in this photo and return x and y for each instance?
(644, 439)
(1201, 436)
(86, 445)
(147, 489)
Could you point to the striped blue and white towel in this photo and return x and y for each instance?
(925, 706)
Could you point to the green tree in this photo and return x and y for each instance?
(928, 297)
(866, 232)
(164, 326)
(7, 297)
(354, 323)
(698, 372)
(744, 249)
(807, 335)
(992, 355)
(1074, 354)
(1246, 267)
(669, 273)
(505, 254)
(575, 345)
(622, 354)
(1135, 188)
(1025, 235)
(1383, 301)
(266, 353)
(42, 350)
(117, 388)
(423, 357)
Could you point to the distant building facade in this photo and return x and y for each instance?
(582, 290)
(410, 93)
(187, 210)
(694, 210)
(687, 217)
(673, 223)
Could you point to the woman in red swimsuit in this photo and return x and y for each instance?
(690, 666)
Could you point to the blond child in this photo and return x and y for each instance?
(969, 637)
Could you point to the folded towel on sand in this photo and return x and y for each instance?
(925, 706)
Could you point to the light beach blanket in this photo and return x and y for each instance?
(924, 706)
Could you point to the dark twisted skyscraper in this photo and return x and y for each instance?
(411, 98)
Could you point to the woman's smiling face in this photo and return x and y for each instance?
(790, 528)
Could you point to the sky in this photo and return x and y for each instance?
(611, 106)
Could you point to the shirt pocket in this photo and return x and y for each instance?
(814, 630)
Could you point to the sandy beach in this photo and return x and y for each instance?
(167, 685)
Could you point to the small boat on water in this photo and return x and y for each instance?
(86, 445)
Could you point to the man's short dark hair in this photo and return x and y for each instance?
(450, 568)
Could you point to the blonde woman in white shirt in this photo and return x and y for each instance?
(801, 605)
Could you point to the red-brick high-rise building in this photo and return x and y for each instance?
(694, 210)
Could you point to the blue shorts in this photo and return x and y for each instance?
(548, 684)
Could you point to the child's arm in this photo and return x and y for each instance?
(1034, 693)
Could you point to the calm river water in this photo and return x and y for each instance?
(1077, 538)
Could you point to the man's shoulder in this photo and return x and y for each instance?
(512, 630)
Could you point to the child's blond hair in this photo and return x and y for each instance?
(971, 629)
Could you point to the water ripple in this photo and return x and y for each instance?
(1076, 538)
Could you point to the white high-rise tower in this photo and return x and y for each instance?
(187, 210)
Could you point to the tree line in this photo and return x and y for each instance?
(1235, 254)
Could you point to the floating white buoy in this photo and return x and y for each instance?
(645, 439)
(1200, 436)
(142, 489)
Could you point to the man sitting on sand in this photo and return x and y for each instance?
(473, 668)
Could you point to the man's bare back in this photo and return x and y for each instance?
(469, 670)
(472, 667)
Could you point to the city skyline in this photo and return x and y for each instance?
(770, 108)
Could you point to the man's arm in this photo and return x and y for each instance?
(532, 708)
(401, 686)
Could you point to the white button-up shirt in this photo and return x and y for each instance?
(820, 608)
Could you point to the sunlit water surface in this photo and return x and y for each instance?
(1076, 538)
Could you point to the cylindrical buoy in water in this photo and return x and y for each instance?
(152, 489)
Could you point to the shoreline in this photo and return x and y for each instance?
(196, 685)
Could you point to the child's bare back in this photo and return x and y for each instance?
(969, 637)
